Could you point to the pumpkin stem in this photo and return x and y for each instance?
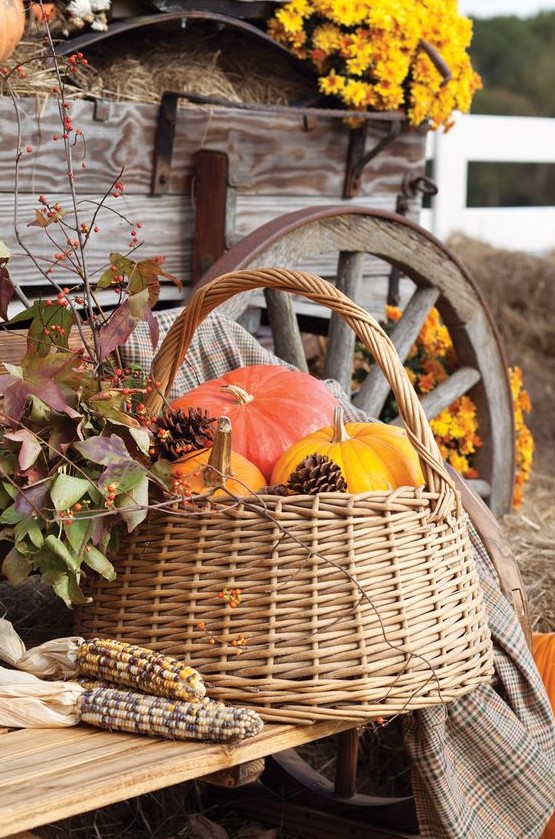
(218, 468)
(339, 431)
(240, 395)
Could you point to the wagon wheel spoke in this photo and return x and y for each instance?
(341, 338)
(374, 389)
(286, 334)
(447, 392)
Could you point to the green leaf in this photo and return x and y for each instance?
(26, 314)
(99, 563)
(5, 252)
(66, 586)
(77, 533)
(133, 504)
(54, 544)
(28, 528)
(16, 567)
(11, 515)
(122, 264)
(124, 475)
(6, 497)
(142, 438)
(162, 470)
(34, 533)
(66, 490)
(42, 336)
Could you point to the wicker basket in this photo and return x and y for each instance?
(352, 606)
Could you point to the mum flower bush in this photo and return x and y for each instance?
(384, 55)
(431, 360)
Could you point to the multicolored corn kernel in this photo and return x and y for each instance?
(110, 660)
(156, 716)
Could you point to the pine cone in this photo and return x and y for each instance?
(176, 433)
(276, 489)
(316, 473)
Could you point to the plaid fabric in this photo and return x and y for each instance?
(483, 766)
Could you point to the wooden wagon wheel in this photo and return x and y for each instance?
(440, 279)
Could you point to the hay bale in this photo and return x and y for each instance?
(140, 66)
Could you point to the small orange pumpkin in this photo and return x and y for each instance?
(371, 455)
(270, 407)
(12, 26)
(43, 14)
(543, 648)
(217, 469)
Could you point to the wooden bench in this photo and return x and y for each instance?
(52, 774)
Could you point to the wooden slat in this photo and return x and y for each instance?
(168, 232)
(374, 389)
(268, 154)
(341, 338)
(50, 774)
(445, 393)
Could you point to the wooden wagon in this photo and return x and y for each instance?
(223, 186)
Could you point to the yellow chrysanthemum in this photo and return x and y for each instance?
(379, 43)
(332, 84)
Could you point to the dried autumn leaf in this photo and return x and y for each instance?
(40, 377)
(30, 446)
(122, 322)
(7, 290)
(43, 220)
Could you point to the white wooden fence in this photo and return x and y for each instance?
(490, 139)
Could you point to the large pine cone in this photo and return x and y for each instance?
(176, 433)
(316, 473)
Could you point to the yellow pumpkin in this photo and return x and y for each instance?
(371, 455)
(12, 26)
(218, 470)
(543, 647)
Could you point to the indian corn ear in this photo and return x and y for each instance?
(126, 664)
(140, 713)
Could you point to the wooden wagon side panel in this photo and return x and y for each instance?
(277, 163)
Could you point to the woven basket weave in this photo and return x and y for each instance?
(352, 606)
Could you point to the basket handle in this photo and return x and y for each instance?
(206, 297)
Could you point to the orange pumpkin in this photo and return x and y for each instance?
(270, 407)
(12, 26)
(371, 455)
(544, 655)
(543, 647)
(43, 14)
(217, 469)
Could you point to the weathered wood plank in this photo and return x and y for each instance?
(168, 232)
(50, 774)
(269, 154)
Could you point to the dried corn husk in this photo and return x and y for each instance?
(53, 659)
(27, 701)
